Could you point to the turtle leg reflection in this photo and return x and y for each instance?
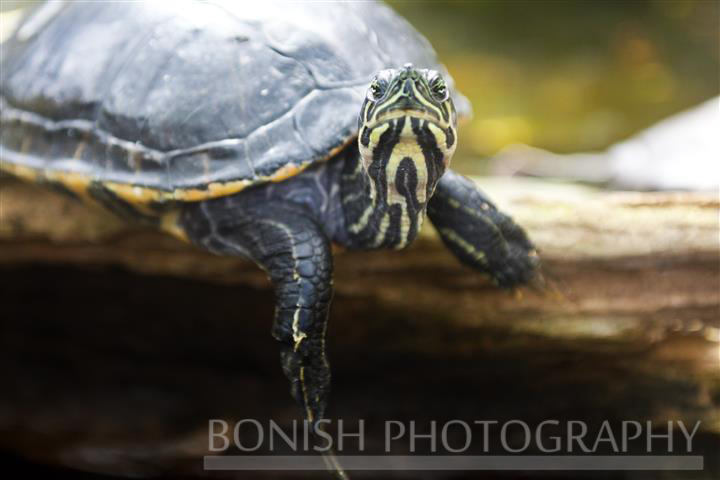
(283, 239)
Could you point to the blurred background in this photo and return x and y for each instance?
(570, 76)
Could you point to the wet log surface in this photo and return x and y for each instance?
(118, 344)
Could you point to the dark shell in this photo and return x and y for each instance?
(175, 97)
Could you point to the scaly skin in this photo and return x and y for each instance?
(479, 234)
(285, 240)
(374, 194)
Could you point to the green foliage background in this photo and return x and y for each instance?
(570, 75)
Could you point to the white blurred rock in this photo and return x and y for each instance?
(681, 152)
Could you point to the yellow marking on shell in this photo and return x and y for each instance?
(20, 171)
(462, 243)
(221, 189)
(213, 190)
(75, 182)
(286, 172)
(135, 194)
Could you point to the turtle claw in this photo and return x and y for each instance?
(309, 377)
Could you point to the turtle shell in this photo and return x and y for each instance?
(175, 101)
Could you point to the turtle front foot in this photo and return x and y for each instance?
(480, 235)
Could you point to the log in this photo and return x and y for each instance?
(119, 343)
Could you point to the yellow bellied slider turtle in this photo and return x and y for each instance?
(235, 126)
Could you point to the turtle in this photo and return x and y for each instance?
(271, 131)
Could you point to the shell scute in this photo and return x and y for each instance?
(166, 101)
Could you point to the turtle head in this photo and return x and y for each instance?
(407, 136)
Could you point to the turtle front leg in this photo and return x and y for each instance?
(285, 242)
(479, 234)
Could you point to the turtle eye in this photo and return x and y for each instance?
(376, 90)
(439, 89)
